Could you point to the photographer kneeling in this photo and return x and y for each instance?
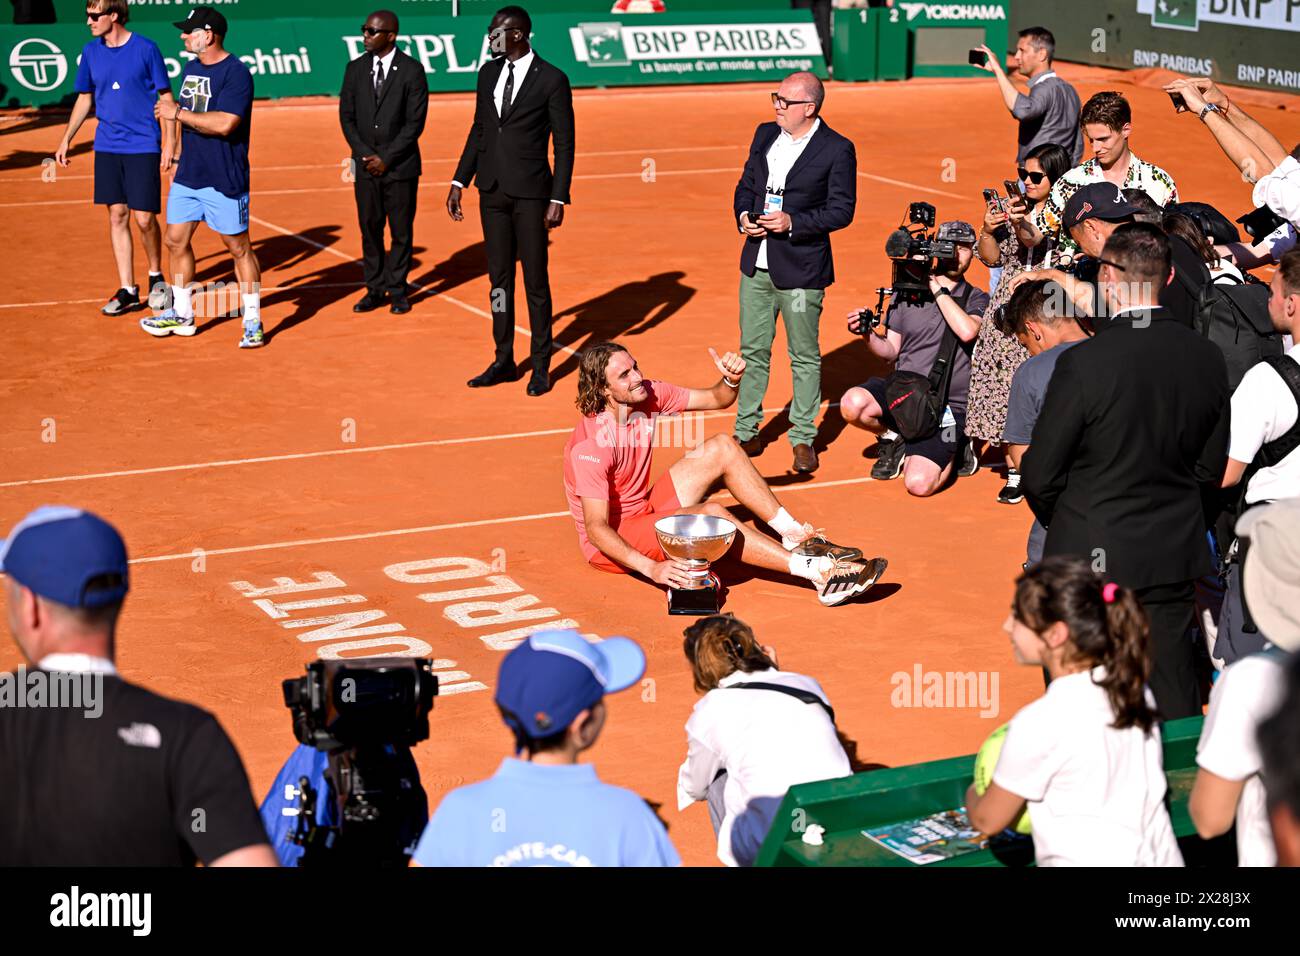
(755, 733)
(933, 339)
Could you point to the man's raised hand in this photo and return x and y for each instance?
(731, 365)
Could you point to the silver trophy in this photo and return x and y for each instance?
(697, 540)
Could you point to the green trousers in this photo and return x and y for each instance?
(760, 302)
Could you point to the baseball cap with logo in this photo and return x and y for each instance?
(957, 231)
(1097, 201)
(1271, 573)
(553, 676)
(57, 551)
(203, 18)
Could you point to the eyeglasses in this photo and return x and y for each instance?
(1034, 178)
(371, 32)
(781, 103)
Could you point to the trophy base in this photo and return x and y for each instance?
(696, 601)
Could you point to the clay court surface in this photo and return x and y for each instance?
(350, 444)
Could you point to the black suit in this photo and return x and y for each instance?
(388, 126)
(508, 155)
(1134, 427)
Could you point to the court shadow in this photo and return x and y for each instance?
(464, 265)
(629, 309)
(310, 293)
(273, 252)
(206, 324)
(37, 119)
(856, 763)
(32, 158)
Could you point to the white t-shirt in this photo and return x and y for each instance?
(1263, 409)
(767, 742)
(1246, 694)
(1096, 794)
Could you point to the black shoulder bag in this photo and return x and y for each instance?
(807, 696)
(917, 401)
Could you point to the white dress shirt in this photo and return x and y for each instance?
(767, 742)
(387, 61)
(780, 157)
(77, 663)
(523, 66)
(521, 73)
(1280, 190)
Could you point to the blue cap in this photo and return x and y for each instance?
(553, 676)
(56, 551)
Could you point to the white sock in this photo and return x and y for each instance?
(810, 569)
(182, 301)
(785, 526)
(133, 289)
(252, 308)
(890, 435)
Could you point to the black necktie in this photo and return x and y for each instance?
(379, 77)
(510, 88)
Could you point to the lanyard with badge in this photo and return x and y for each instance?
(774, 200)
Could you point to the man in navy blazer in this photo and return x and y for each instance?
(799, 185)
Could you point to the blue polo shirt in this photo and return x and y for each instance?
(531, 814)
(125, 81)
(217, 161)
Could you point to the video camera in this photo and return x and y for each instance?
(366, 713)
(916, 251)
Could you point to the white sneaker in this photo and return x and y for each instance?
(848, 579)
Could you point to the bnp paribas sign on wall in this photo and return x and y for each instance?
(1190, 14)
(683, 49)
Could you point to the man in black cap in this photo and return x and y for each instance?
(915, 337)
(382, 107)
(1133, 429)
(212, 180)
(1093, 213)
(97, 771)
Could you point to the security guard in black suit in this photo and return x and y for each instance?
(382, 108)
(522, 102)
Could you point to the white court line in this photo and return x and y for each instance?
(370, 535)
(264, 289)
(414, 285)
(329, 452)
(901, 182)
(435, 159)
(258, 193)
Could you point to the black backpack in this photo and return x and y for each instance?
(1234, 316)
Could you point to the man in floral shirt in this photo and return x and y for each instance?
(1107, 121)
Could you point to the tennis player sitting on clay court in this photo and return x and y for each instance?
(607, 481)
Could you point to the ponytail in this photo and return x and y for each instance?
(1127, 661)
(1107, 625)
(719, 645)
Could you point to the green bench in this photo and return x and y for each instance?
(846, 807)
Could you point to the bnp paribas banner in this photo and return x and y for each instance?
(1244, 42)
(301, 57)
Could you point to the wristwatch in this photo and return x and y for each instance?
(1208, 108)
(942, 291)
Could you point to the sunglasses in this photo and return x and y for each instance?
(781, 103)
(371, 32)
(96, 16)
(1034, 178)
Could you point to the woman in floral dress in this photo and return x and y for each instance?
(997, 356)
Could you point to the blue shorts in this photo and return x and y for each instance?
(227, 215)
(130, 179)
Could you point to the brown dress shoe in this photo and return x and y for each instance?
(753, 447)
(805, 459)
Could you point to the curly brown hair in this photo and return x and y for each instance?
(591, 376)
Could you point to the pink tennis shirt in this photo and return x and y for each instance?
(606, 460)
